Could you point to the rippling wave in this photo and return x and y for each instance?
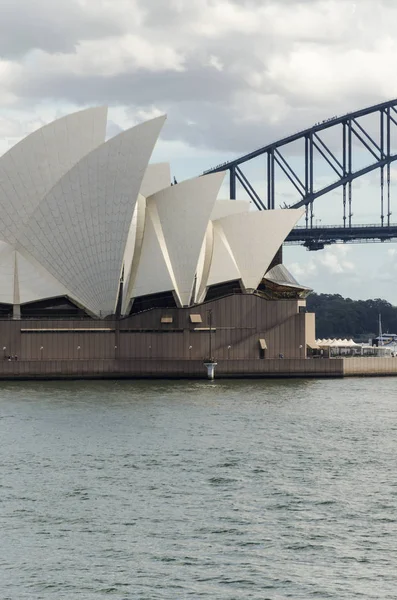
(173, 490)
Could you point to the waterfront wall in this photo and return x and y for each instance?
(141, 368)
(369, 366)
(184, 368)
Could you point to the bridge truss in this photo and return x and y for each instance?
(335, 142)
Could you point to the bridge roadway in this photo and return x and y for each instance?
(316, 238)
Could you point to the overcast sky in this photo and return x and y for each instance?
(232, 75)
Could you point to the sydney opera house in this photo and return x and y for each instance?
(109, 269)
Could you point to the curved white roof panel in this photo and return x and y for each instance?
(254, 239)
(79, 231)
(32, 167)
(157, 177)
(184, 211)
(7, 267)
(223, 264)
(204, 263)
(153, 273)
(35, 283)
(133, 249)
(27, 277)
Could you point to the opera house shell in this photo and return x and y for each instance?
(90, 230)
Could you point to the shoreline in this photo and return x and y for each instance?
(195, 369)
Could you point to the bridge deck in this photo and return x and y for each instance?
(315, 238)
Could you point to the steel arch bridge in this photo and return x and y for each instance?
(334, 142)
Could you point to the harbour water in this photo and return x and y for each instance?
(220, 490)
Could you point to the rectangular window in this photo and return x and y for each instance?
(166, 319)
(195, 318)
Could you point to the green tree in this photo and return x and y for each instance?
(345, 318)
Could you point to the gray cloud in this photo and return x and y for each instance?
(232, 74)
(53, 26)
(137, 89)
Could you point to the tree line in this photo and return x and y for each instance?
(338, 317)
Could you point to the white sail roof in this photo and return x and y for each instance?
(34, 282)
(213, 258)
(32, 167)
(157, 177)
(7, 265)
(204, 263)
(79, 231)
(223, 265)
(153, 270)
(133, 248)
(255, 237)
(24, 274)
(184, 211)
